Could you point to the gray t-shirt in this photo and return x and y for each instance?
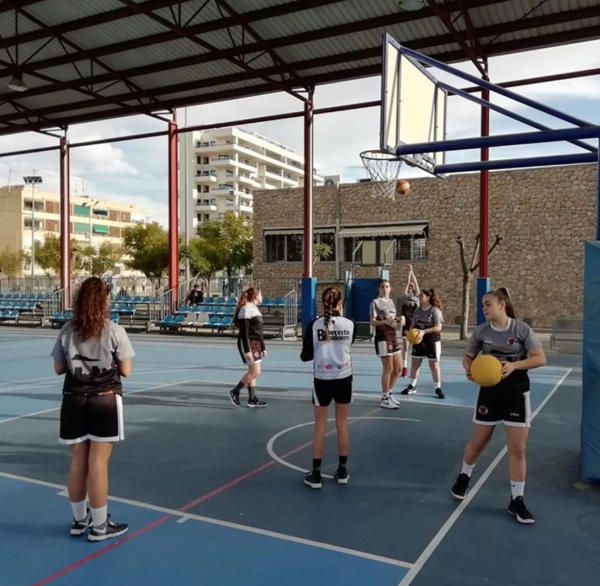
(380, 309)
(424, 319)
(92, 364)
(508, 345)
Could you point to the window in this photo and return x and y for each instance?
(81, 228)
(294, 247)
(39, 205)
(205, 188)
(100, 212)
(81, 211)
(275, 247)
(411, 247)
(99, 229)
(39, 224)
(350, 252)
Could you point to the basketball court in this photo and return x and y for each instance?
(214, 494)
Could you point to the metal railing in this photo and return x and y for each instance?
(290, 315)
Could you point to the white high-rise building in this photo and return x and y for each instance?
(219, 170)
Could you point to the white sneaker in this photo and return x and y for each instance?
(387, 403)
(393, 399)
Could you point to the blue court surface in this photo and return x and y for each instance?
(214, 494)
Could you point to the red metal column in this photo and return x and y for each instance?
(173, 219)
(484, 185)
(308, 185)
(65, 226)
(483, 282)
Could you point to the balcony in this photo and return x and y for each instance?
(248, 181)
(205, 178)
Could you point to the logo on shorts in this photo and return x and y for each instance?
(483, 410)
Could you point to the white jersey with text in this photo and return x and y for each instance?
(331, 357)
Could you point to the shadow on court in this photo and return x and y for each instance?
(214, 494)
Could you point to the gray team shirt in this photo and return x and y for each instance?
(382, 308)
(92, 363)
(508, 345)
(424, 319)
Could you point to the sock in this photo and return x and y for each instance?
(99, 515)
(79, 510)
(317, 464)
(412, 381)
(237, 388)
(437, 385)
(251, 392)
(517, 488)
(385, 394)
(467, 469)
(343, 461)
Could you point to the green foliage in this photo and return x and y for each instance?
(321, 251)
(97, 262)
(148, 248)
(47, 255)
(12, 261)
(221, 245)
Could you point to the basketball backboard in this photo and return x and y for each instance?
(413, 107)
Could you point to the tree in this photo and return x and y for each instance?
(468, 270)
(321, 251)
(47, 255)
(227, 244)
(12, 261)
(97, 262)
(147, 245)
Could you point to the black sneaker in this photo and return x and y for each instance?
(409, 390)
(517, 508)
(256, 402)
(460, 486)
(313, 479)
(80, 527)
(341, 475)
(234, 398)
(107, 530)
(439, 393)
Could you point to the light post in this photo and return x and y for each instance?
(91, 205)
(32, 180)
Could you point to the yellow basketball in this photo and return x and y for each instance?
(486, 370)
(413, 336)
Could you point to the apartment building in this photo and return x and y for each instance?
(28, 214)
(220, 169)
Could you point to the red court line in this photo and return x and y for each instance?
(186, 507)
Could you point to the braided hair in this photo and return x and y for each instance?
(330, 298)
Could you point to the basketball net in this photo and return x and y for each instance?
(383, 169)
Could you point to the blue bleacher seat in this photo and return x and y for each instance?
(232, 301)
(225, 323)
(278, 302)
(115, 317)
(209, 300)
(266, 302)
(213, 322)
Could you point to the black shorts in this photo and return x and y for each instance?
(428, 349)
(97, 417)
(257, 352)
(386, 342)
(338, 389)
(503, 405)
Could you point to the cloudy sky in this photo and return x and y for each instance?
(136, 171)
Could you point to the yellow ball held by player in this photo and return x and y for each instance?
(413, 336)
(486, 370)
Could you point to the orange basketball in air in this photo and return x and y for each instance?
(403, 187)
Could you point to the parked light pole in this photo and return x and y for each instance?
(32, 180)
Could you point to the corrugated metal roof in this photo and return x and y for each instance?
(91, 60)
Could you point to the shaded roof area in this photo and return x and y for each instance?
(84, 61)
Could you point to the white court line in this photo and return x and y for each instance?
(287, 464)
(29, 415)
(33, 414)
(439, 536)
(185, 516)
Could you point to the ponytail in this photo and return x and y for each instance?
(247, 296)
(330, 298)
(502, 294)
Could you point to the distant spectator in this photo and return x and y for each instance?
(196, 295)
